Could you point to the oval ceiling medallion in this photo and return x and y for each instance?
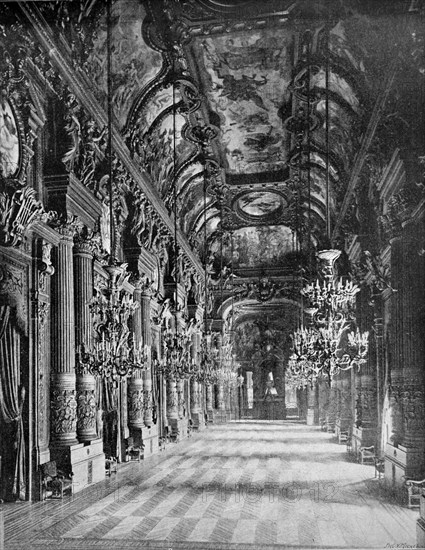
(9, 141)
(260, 204)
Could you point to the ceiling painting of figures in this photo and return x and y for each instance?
(134, 63)
(261, 247)
(158, 150)
(246, 81)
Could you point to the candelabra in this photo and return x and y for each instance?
(113, 354)
(332, 299)
(319, 349)
(208, 361)
(176, 360)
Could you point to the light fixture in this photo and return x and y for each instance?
(113, 354)
(176, 360)
(326, 347)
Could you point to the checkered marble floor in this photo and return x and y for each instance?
(247, 484)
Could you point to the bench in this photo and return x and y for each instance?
(414, 492)
(342, 437)
(54, 482)
(367, 455)
(134, 448)
(111, 466)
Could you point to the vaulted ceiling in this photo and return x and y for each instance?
(248, 116)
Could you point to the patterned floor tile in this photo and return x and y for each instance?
(245, 485)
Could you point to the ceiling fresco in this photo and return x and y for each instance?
(260, 204)
(134, 63)
(260, 247)
(245, 78)
(158, 151)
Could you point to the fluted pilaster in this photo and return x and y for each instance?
(397, 327)
(86, 383)
(135, 390)
(63, 418)
(145, 309)
(209, 397)
(172, 399)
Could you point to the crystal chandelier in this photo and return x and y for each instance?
(176, 359)
(208, 361)
(325, 348)
(114, 353)
(331, 299)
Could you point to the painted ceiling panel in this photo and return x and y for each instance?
(261, 247)
(341, 135)
(337, 85)
(157, 104)
(247, 76)
(134, 64)
(260, 203)
(195, 169)
(159, 151)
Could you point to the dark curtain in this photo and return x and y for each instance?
(12, 399)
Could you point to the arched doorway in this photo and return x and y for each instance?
(269, 389)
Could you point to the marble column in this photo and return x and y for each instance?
(194, 384)
(209, 405)
(221, 406)
(378, 332)
(311, 405)
(412, 398)
(86, 383)
(172, 400)
(181, 403)
(145, 308)
(63, 403)
(397, 327)
(332, 407)
(135, 389)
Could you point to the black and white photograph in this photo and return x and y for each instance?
(212, 274)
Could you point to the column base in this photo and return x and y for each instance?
(219, 417)
(86, 462)
(363, 437)
(402, 463)
(178, 428)
(150, 440)
(311, 417)
(198, 422)
(420, 524)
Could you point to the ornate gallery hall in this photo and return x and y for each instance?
(212, 274)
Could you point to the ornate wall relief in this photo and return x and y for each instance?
(63, 405)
